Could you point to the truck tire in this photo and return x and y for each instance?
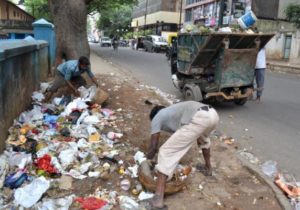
(192, 92)
(240, 101)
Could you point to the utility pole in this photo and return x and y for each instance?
(180, 15)
(146, 10)
(221, 13)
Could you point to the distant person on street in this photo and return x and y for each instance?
(115, 43)
(69, 73)
(260, 69)
(189, 122)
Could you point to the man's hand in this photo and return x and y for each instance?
(153, 146)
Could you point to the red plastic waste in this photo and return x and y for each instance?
(44, 163)
(91, 203)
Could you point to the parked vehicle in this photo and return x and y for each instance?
(123, 43)
(105, 42)
(169, 36)
(154, 43)
(217, 66)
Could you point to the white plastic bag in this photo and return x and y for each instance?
(145, 195)
(37, 96)
(19, 159)
(88, 94)
(44, 86)
(127, 203)
(75, 174)
(81, 118)
(77, 103)
(139, 157)
(67, 157)
(27, 196)
(91, 120)
(269, 168)
(56, 204)
(85, 167)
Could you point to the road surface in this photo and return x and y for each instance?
(270, 129)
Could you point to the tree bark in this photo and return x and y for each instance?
(70, 20)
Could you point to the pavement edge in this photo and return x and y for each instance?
(254, 169)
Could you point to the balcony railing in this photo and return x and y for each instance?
(15, 24)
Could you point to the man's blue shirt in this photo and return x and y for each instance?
(70, 69)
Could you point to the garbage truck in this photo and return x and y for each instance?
(216, 66)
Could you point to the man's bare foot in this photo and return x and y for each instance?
(157, 201)
(206, 171)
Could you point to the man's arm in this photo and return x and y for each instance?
(92, 76)
(153, 146)
(95, 81)
(73, 88)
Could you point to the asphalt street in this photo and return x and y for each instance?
(269, 129)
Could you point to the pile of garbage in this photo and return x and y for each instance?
(240, 25)
(69, 139)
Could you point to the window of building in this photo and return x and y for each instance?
(188, 15)
(15, 14)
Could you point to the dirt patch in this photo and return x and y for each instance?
(230, 187)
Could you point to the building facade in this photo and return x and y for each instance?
(207, 11)
(158, 15)
(271, 19)
(15, 23)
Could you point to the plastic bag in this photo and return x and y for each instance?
(56, 204)
(139, 157)
(91, 120)
(77, 103)
(30, 194)
(85, 167)
(75, 174)
(67, 156)
(44, 86)
(19, 159)
(37, 96)
(44, 163)
(50, 119)
(144, 196)
(33, 115)
(91, 203)
(16, 180)
(270, 168)
(127, 203)
(87, 94)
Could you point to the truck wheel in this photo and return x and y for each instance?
(240, 101)
(192, 93)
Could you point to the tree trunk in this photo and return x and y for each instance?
(70, 20)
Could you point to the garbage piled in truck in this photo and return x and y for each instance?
(55, 144)
(240, 25)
